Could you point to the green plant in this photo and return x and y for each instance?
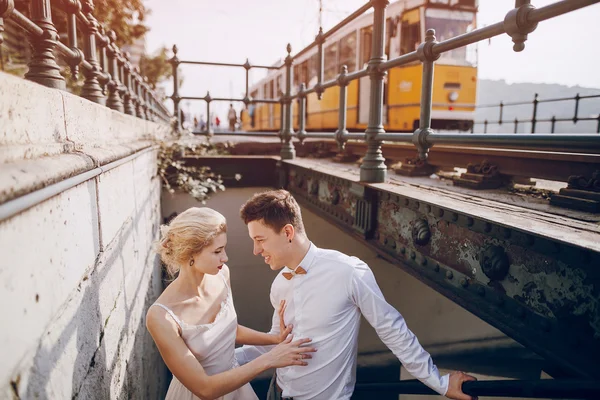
(177, 173)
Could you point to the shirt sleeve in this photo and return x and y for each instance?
(246, 353)
(393, 331)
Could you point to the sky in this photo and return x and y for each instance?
(562, 50)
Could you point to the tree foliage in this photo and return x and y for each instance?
(156, 67)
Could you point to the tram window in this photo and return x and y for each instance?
(331, 66)
(296, 76)
(271, 92)
(313, 69)
(303, 73)
(448, 24)
(266, 91)
(365, 47)
(409, 37)
(348, 52)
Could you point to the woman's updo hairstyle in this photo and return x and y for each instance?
(187, 234)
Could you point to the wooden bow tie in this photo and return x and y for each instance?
(297, 271)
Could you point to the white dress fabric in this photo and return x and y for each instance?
(214, 347)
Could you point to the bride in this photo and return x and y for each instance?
(194, 324)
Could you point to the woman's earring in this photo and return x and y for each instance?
(191, 262)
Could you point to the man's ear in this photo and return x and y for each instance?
(290, 232)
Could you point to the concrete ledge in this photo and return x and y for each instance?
(47, 135)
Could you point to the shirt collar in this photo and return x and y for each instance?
(308, 258)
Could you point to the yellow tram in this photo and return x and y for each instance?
(455, 76)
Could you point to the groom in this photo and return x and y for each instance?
(325, 293)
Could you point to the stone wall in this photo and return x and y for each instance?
(77, 270)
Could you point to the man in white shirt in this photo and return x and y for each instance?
(325, 292)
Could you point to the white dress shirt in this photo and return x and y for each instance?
(325, 305)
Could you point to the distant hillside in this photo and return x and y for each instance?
(493, 92)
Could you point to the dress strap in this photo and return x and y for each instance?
(171, 313)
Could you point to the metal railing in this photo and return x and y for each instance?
(175, 62)
(534, 118)
(532, 389)
(110, 78)
(518, 23)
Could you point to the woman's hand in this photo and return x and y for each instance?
(284, 330)
(289, 353)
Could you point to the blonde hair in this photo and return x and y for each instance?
(187, 234)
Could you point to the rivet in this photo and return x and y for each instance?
(464, 282)
(440, 213)
(449, 274)
(428, 208)
(413, 255)
(436, 268)
(470, 221)
(480, 291)
(454, 217)
(488, 227)
(424, 261)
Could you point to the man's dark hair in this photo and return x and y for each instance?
(276, 208)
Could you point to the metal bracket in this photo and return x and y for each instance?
(480, 176)
(581, 194)
(415, 167)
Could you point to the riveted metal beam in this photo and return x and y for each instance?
(539, 290)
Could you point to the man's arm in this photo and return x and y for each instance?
(245, 354)
(393, 331)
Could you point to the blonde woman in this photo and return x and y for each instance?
(194, 323)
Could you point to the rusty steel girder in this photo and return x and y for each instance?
(538, 289)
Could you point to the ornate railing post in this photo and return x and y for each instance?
(534, 116)
(114, 101)
(420, 166)
(43, 68)
(143, 93)
(126, 74)
(72, 7)
(104, 77)
(137, 90)
(287, 149)
(247, 67)
(209, 129)
(175, 96)
(281, 116)
(6, 9)
(91, 87)
(301, 135)
(321, 63)
(373, 168)
(340, 134)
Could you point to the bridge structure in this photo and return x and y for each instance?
(522, 260)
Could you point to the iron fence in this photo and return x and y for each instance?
(110, 78)
(518, 23)
(534, 118)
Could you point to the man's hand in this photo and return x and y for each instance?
(455, 392)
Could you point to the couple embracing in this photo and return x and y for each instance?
(318, 297)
